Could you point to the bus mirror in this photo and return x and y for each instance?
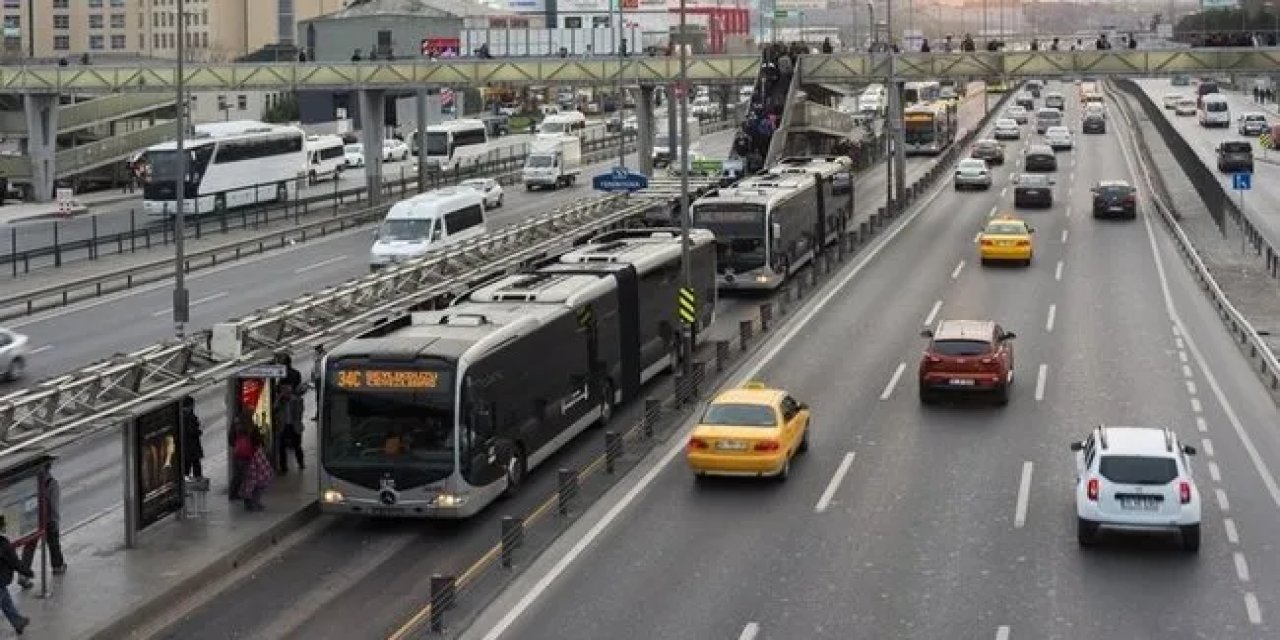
(777, 231)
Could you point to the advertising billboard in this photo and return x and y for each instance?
(156, 447)
(798, 5)
(20, 504)
(1219, 4)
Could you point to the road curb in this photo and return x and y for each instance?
(124, 625)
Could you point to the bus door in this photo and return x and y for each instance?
(820, 240)
(629, 349)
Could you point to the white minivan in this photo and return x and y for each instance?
(426, 222)
(325, 158)
(1214, 111)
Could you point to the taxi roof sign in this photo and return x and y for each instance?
(755, 384)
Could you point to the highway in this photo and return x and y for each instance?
(954, 521)
(375, 571)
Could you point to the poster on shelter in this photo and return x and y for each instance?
(20, 504)
(156, 447)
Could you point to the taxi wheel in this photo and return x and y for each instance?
(804, 440)
(1002, 395)
(785, 472)
(1085, 532)
(1027, 262)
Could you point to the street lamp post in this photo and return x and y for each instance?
(621, 101)
(871, 23)
(181, 310)
(683, 127)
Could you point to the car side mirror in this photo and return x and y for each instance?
(1077, 446)
(1188, 449)
(1008, 335)
(927, 333)
(804, 406)
(1031, 230)
(1053, 181)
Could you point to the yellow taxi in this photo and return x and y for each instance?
(1006, 238)
(750, 431)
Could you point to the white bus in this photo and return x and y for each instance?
(570, 122)
(455, 143)
(326, 157)
(229, 165)
(928, 129)
(427, 221)
(921, 92)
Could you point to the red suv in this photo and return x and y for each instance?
(967, 356)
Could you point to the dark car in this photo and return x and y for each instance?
(1040, 157)
(1033, 190)
(496, 124)
(967, 356)
(1205, 88)
(1094, 123)
(1235, 155)
(990, 150)
(1115, 198)
(1181, 80)
(1026, 101)
(1035, 86)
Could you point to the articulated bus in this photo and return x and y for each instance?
(928, 129)
(835, 190)
(438, 413)
(921, 92)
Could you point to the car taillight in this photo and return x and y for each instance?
(988, 243)
(767, 445)
(930, 358)
(1184, 492)
(1092, 489)
(1130, 199)
(698, 443)
(1024, 243)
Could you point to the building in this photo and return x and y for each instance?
(385, 29)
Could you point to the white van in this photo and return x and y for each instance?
(426, 222)
(570, 122)
(1047, 117)
(1214, 111)
(325, 158)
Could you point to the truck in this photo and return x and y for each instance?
(553, 160)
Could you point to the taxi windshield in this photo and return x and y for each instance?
(739, 415)
(1006, 228)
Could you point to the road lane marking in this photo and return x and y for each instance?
(976, 237)
(1191, 387)
(1040, 381)
(1233, 536)
(1186, 371)
(318, 265)
(1201, 425)
(897, 373)
(1068, 211)
(1178, 341)
(994, 208)
(1207, 445)
(829, 493)
(193, 303)
(933, 313)
(1002, 632)
(40, 349)
(1182, 355)
(1057, 272)
(955, 273)
(1053, 314)
(1196, 406)
(1004, 192)
(1066, 233)
(1252, 609)
(1223, 503)
(1242, 566)
(750, 631)
(1024, 496)
(1215, 472)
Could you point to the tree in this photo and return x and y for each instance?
(285, 109)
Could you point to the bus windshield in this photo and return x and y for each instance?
(437, 143)
(162, 166)
(555, 127)
(918, 131)
(739, 231)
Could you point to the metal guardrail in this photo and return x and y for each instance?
(1247, 338)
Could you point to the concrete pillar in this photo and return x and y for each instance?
(372, 118)
(42, 142)
(421, 104)
(644, 130)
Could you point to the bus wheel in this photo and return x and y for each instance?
(311, 178)
(220, 203)
(516, 469)
(282, 192)
(606, 403)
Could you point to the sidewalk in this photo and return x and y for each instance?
(84, 202)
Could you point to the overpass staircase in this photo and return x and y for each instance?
(811, 123)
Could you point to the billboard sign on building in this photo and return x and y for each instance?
(526, 6)
(799, 5)
(1219, 4)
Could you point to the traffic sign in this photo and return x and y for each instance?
(1265, 141)
(1242, 181)
(780, 13)
(687, 305)
(619, 179)
(586, 317)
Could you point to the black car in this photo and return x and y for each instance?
(1094, 123)
(989, 150)
(1033, 190)
(1034, 86)
(1235, 155)
(1115, 198)
(1026, 101)
(1039, 157)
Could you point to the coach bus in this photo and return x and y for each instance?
(438, 413)
(453, 144)
(928, 129)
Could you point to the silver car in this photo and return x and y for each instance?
(1006, 129)
(972, 173)
(13, 354)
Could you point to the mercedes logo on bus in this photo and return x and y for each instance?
(387, 497)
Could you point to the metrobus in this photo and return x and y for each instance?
(920, 92)
(229, 165)
(326, 157)
(835, 190)
(437, 413)
(455, 143)
(928, 129)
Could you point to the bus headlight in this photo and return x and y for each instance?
(762, 278)
(449, 501)
(332, 496)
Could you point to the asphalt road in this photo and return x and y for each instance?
(953, 521)
(1260, 201)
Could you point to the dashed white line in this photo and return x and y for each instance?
(1057, 272)
(1068, 212)
(1196, 406)
(1024, 496)
(1186, 371)
(994, 208)
(1233, 536)
(1242, 566)
(829, 493)
(1252, 609)
(1215, 472)
(1182, 355)
(1002, 632)
(893, 382)
(318, 265)
(1004, 192)
(1053, 314)
(1191, 387)
(933, 313)
(955, 273)
(1180, 343)
(976, 237)
(1201, 425)
(1066, 233)
(40, 349)
(193, 303)
(1207, 445)
(1041, 378)
(750, 631)
(1223, 503)
(1073, 176)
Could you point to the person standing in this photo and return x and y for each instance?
(241, 437)
(9, 565)
(52, 533)
(257, 474)
(288, 423)
(192, 449)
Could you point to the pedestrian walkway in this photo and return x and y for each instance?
(109, 591)
(83, 205)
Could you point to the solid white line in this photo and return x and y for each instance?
(1053, 314)
(1252, 609)
(1186, 371)
(1215, 472)
(1201, 425)
(933, 313)
(992, 214)
(888, 388)
(824, 500)
(1024, 495)
(1196, 406)
(1066, 233)
(1242, 567)
(955, 273)
(193, 303)
(40, 349)
(1223, 503)
(317, 265)
(1191, 387)
(1040, 381)
(1207, 445)
(1233, 536)
(750, 631)
(678, 444)
(1182, 355)
(1002, 632)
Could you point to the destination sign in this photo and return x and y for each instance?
(387, 379)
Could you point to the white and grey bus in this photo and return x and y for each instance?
(455, 143)
(835, 190)
(437, 413)
(326, 157)
(229, 165)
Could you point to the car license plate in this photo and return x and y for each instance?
(386, 511)
(731, 445)
(961, 382)
(1031, 192)
(1116, 209)
(1007, 243)
(1136, 504)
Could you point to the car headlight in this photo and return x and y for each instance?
(333, 496)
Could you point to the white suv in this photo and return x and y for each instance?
(1135, 479)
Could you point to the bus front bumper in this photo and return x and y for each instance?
(748, 281)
